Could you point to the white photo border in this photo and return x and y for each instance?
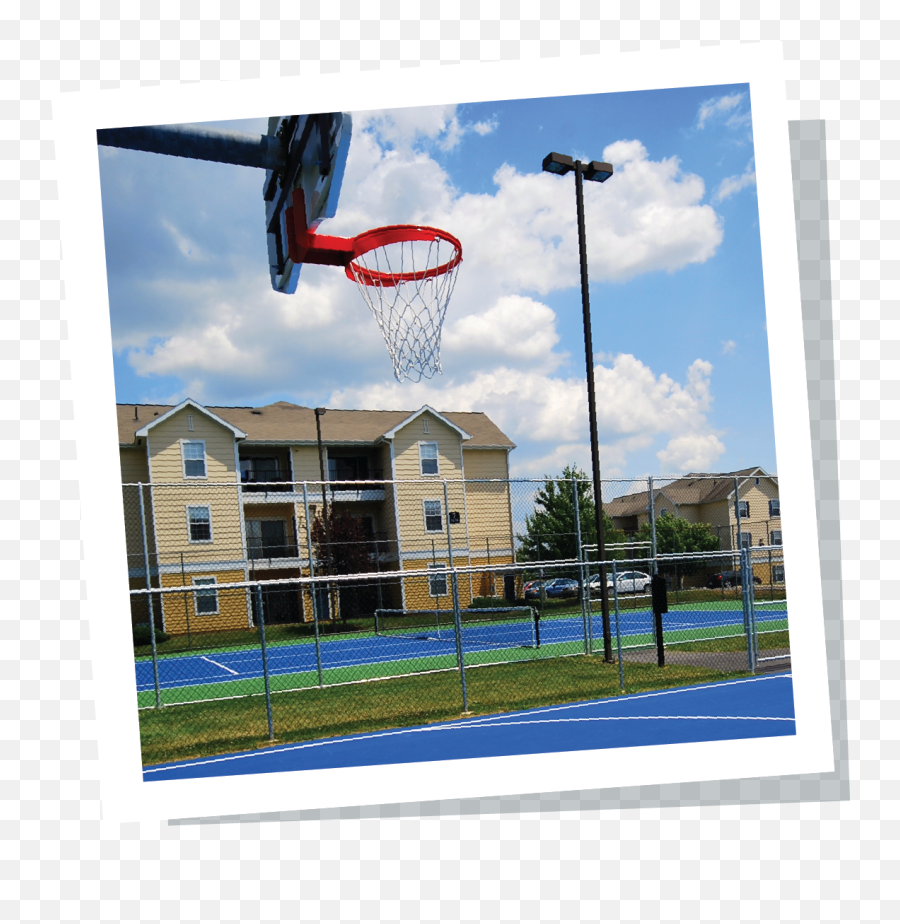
(124, 794)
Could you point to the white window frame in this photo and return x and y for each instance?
(773, 540)
(748, 544)
(437, 577)
(205, 581)
(776, 512)
(187, 513)
(437, 461)
(779, 570)
(425, 515)
(185, 460)
(744, 509)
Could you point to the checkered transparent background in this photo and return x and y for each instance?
(817, 849)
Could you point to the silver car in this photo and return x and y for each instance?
(629, 582)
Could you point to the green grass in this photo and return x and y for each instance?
(767, 640)
(205, 729)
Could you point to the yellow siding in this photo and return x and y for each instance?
(406, 448)
(170, 503)
(180, 611)
(411, 497)
(485, 463)
(417, 593)
(134, 465)
(488, 505)
(305, 462)
(165, 448)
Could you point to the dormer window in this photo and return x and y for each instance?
(425, 425)
(190, 421)
(428, 458)
(193, 457)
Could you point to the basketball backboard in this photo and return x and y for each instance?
(315, 148)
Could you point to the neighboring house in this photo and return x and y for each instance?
(709, 498)
(224, 502)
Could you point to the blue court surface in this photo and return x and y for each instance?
(755, 707)
(188, 670)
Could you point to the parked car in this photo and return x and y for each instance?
(728, 579)
(558, 587)
(635, 582)
(532, 590)
(562, 587)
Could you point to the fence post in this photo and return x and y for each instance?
(149, 595)
(618, 629)
(746, 582)
(583, 589)
(457, 617)
(265, 660)
(654, 568)
(187, 613)
(312, 586)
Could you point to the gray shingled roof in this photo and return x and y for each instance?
(284, 422)
(694, 488)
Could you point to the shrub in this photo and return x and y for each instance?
(141, 635)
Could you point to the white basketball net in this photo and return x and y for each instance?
(411, 312)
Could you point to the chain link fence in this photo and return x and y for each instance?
(288, 612)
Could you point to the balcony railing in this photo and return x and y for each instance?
(270, 479)
(257, 550)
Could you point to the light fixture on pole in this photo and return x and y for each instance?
(598, 172)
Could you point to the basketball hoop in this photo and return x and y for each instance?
(405, 273)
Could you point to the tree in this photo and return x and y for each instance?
(550, 532)
(347, 547)
(677, 535)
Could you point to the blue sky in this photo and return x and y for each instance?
(681, 356)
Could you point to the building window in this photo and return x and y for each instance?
(191, 422)
(428, 458)
(746, 540)
(268, 539)
(193, 456)
(206, 601)
(744, 509)
(437, 583)
(425, 425)
(775, 507)
(777, 574)
(434, 521)
(199, 524)
(775, 537)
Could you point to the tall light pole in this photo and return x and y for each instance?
(598, 172)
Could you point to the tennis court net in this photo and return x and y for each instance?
(483, 627)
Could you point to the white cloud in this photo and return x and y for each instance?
(417, 125)
(717, 107)
(728, 346)
(515, 329)
(734, 184)
(696, 452)
(635, 407)
(484, 128)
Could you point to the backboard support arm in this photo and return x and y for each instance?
(222, 147)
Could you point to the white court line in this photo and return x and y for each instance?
(458, 726)
(488, 721)
(210, 660)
